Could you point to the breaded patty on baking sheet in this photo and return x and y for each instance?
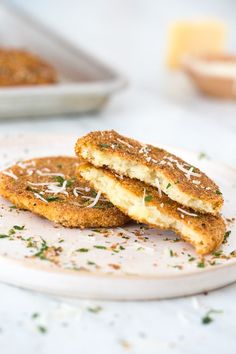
(179, 180)
(144, 204)
(47, 186)
(19, 67)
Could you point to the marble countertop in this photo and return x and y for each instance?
(156, 107)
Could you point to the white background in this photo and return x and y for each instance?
(131, 36)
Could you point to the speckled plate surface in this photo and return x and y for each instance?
(129, 263)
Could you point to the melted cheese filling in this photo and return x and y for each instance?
(133, 205)
(150, 176)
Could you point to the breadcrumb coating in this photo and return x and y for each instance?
(47, 186)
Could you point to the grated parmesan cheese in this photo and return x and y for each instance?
(186, 212)
(95, 200)
(37, 195)
(10, 174)
(124, 142)
(55, 189)
(40, 173)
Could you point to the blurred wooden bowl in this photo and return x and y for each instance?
(213, 75)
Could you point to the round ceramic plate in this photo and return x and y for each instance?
(128, 263)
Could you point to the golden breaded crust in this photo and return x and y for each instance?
(182, 182)
(143, 204)
(62, 198)
(19, 67)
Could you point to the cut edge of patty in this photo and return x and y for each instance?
(205, 238)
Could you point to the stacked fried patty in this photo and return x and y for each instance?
(151, 185)
(48, 187)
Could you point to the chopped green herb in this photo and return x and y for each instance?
(226, 236)
(59, 179)
(168, 186)
(104, 146)
(13, 207)
(96, 230)
(122, 248)
(201, 264)
(91, 263)
(191, 259)
(42, 329)
(70, 182)
(217, 254)
(82, 250)
(148, 198)
(207, 318)
(95, 309)
(171, 253)
(41, 252)
(3, 236)
(218, 192)
(17, 227)
(52, 198)
(30, 189)
(35, 315)
(11, 232)
(202, 155)
(30, 243)
(100, 247)
(233, 253)
(178, 267)
(62, 240)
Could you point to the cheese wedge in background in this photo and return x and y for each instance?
(195, 38)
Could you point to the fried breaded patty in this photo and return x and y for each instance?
(47, 186)
(144, 204)
(19, 67)
(179, 180)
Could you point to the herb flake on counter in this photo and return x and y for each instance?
(202, 155)
(207, 319)
(35, 315)
(42, 329)
(95, 309)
